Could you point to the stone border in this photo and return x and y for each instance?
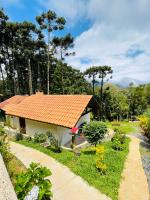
(6, 188)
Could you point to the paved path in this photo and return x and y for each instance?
(66, 185)
(134, 184)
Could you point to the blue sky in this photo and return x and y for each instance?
(115, 33)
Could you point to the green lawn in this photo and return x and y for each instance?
(126, 127)
(84, 166)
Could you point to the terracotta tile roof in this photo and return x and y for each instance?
(63, 110)
(13, 100)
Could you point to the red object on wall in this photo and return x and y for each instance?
(74, 130)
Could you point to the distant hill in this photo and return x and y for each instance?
(126, 81)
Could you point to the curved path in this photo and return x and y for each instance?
(134, 184)
(65, 184)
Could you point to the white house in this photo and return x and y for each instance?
(40, 113)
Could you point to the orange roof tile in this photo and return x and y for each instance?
(63, 110)
(13, 100)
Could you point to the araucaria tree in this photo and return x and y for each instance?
(50, 22)
(61, 46)
(99, 72)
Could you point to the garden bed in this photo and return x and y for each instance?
(84, 166)
(14, 167)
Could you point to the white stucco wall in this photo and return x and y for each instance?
(61, 133)
(9, 120)
(84, 118)
(33, 127)
(16, 123)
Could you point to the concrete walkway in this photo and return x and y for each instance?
(65, 184)
(134, 184)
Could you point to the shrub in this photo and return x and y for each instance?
(54, 142)
(4, 148)
(35, 176)
(95, 131)
(40, 138)
(19, 136)
(28, 138)
(100, 165)
(145, 124)
(100, 150)
(118, 141)
(2, 132)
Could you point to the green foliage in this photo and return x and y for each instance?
(84, 166)
(35, 175)
(100, 163)
(95, 131)
(40, 137)
(19, 136)
(145, 123)
(4, 148)
(54, 143)
(137, 100)
(2, 132)
(118, 141)
(115, 103)
(89, 150)
(28, 138)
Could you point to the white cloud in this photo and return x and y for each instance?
(117, 27)
(72, 10)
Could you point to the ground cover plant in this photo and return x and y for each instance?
(85, 165)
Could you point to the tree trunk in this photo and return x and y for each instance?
(62, 73)
(38, 78)
(101, 94)
(13, 66)
(48, 64)
(1, 70)
(93, 85)
(30, 77)
(17, 84)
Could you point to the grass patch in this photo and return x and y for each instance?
(84, 166)
(126, 127)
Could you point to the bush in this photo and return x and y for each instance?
(4, 148)
(28, 138)
(35, 176)
(40, 138)
(19, 136)
(100, 165)
(95, 131)
(145, 124)
(54, 143)
(118, 141)
(2, 132)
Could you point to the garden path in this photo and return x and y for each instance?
(65, 184)
(134, 184)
